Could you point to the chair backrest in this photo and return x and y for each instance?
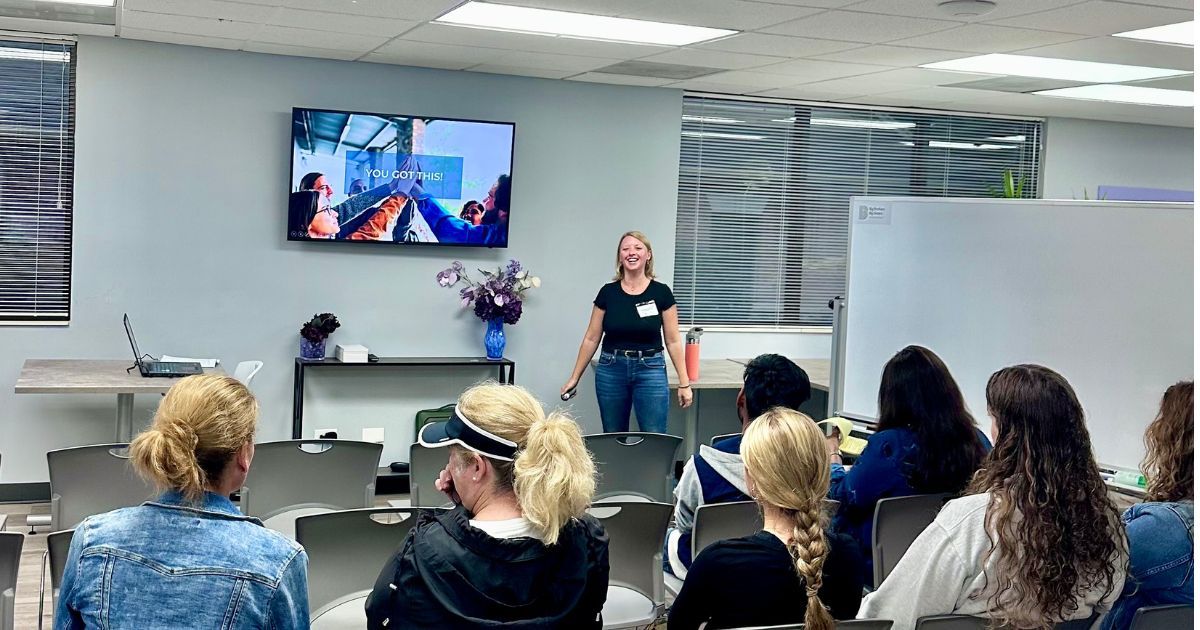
(898, 522)
(721, 521)
(88, 480)
(1172, 617)
(634, 464)
(636, 531)
(246, 370)
(969, 622)
(58, 544)
(858, 624)
(718, 438)
(425, 416)
(424, 466)
(293, 474)
(347, 549)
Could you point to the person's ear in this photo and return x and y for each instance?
(478, 467)
(245, 455)
(741, 405)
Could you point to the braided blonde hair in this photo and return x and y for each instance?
(787, 463)
(199, 426)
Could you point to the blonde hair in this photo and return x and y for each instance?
(199, 426)
(552, 474)
(649, 250)
(787, 462)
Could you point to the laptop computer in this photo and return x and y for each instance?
(150, 367)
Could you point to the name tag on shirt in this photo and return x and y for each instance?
(647, 309)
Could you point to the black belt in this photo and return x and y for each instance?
(637, 353)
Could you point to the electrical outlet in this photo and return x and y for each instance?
(373, 434)
(325, 434)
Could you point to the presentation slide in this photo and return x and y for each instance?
(399, 179)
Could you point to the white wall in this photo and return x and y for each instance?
(180, 202)
(1084, 154)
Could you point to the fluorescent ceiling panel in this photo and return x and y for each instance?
(28, 54)
(1049, 68)
(579, 25)
(1125, 94)
(1182, 33)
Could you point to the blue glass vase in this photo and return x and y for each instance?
(312, 350)
(493, 339)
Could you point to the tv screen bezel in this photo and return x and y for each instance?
(512, 155)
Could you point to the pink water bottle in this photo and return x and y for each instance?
(691, 354)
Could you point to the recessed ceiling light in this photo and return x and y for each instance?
(94, 3)
(579, 25)
(1182, 33)
(1049, 68)
(34, 54)
(727, 136)
(941, 144)
(861, 124)
(1125, 94)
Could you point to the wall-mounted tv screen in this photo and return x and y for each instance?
(392, 178)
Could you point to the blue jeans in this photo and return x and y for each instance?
(623, 383)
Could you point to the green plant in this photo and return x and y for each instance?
(1013, 188)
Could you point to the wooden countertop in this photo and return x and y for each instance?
(88, 376)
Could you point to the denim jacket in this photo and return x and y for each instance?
(167, 564)
(1160, 560)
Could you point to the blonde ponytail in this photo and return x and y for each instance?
(786, 460)
(552, 476)
(200, 424)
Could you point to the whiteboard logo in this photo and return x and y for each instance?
(874, 213)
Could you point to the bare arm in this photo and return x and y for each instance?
(674, 343)
(591, 341)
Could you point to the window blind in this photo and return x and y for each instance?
(37, 129)
(764, 192)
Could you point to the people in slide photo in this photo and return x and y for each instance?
(631, 317)
(472, 212)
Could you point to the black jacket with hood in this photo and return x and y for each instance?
(450, 575)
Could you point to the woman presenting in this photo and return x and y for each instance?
(631, 317)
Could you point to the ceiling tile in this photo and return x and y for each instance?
(540, 73)
(442, 34)
(415, 10)
(810, 70)
(763, 44)
(857, 86)
(909, 8)
(619, 79)
(299, 51)
(1189, 5)
(824, 4)
(181, 39)
(917, 77)
(310, 38)
(702, 85)
(205, 27)
(1119, 50)
(986, 38)
(891, 56)
(870, 28)
(1099, 17)
(341, 22)
(237, 11)
(804, 93)
(542, 61)
(760, 80)
(1186, 83)
(713, 59)
(733, 14)
(432, 55)
(926, 95)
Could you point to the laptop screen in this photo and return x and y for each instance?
(137, 356)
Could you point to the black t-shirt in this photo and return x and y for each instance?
(633, 322)
(752, 581)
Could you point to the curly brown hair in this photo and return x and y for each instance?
(1054, 532)
(1169, 465)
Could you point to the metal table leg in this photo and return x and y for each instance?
(124, 418)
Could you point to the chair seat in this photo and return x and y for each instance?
(624, 498)
(626, 608)
(343, 614)
(285, 523)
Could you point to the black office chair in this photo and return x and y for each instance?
(1171, 617)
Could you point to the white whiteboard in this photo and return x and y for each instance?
(1099, 291)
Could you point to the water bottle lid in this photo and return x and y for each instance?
(693, 335)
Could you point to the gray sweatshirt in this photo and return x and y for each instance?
(944, 566)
